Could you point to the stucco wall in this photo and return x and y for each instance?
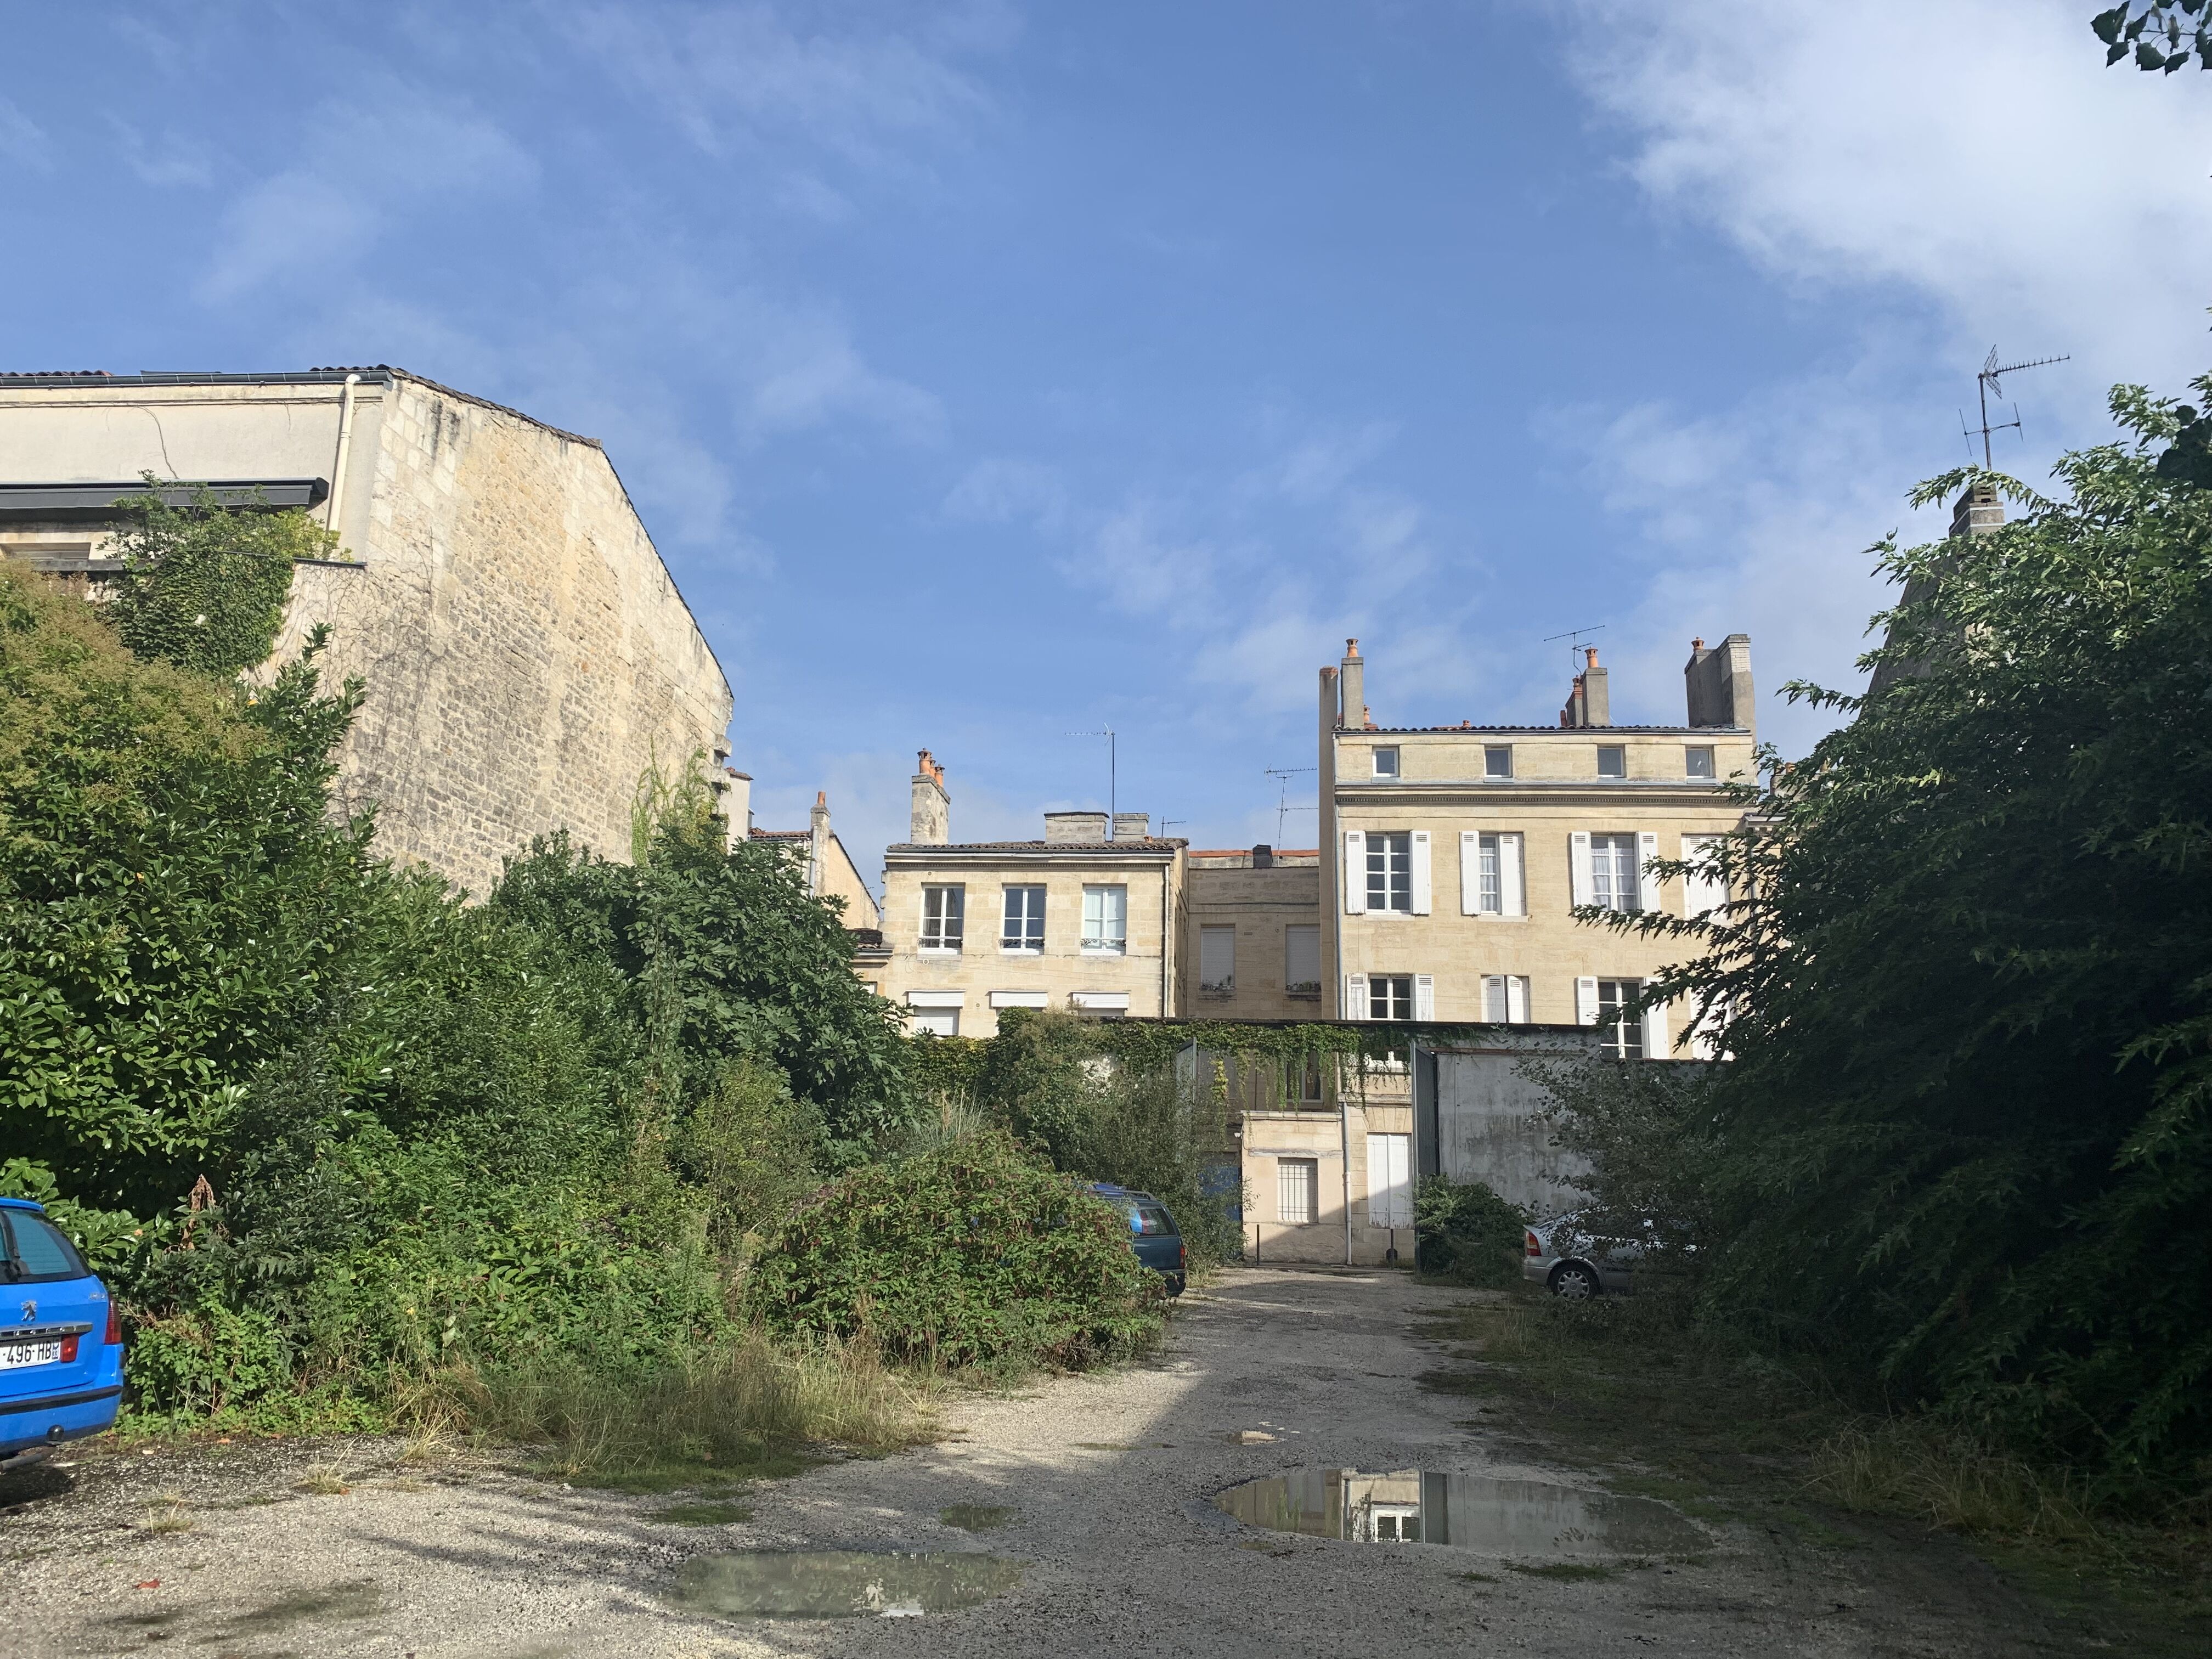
(1487, 1130)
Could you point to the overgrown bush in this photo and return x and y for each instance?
(980, 1252)
(1465, 1231)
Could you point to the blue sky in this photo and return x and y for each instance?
(991, 373)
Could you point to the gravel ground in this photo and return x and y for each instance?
(219, 1548)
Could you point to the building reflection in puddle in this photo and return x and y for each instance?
(1461, 1511)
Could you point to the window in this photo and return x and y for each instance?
(1306, 1080)
(1489, 890)
(1024, 929)
(941, 908)
(1390, 996)
(1295, 1187)
(1697, 761)
(1302, 960)
(1612, 760)
(934, 1022)
(36, 1250)
(1612, 872)
(1505, 999)
(1497, 760)
(1390, 871)
(1106, 920)
(1217, 963)
(1386, 763)
(1623, 1038)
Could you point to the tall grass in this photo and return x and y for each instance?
(1950, 1480)
(743, 1407)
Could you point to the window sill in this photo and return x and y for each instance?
(937, 951)
(1020, 951)
(1104, 950)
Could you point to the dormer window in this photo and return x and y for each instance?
(1386, 763)
(1697, 761)
(1613, 760)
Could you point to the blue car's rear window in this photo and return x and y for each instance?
(1147, 1219)
(36, 1248)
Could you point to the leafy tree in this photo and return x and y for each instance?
(1966, 977)
(173, 899)
(2160, 34)
(204, 585)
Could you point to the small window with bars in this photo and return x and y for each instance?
(1022, 931)
(1390, 870)
(1296, 1185)
(941, 911)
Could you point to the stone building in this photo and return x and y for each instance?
(1454, 856)
(526, 650)
(829, 868)
(1252, 946)
(1089, 919)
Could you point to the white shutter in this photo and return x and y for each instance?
(1647, 887)
(1516, 998)
(1578, 867)
(1389, 1184)
(1512, 890)
(1470, 873)
(1355, 873)
(1355, 996)
(1424, 997)
(1586, 1002)
(1420, 872)
(1700, 893)
(1655, 1032)
(1493, 998)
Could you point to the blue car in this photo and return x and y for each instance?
(61, 1346)
(1152, 1233)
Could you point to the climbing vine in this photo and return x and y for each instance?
(204, 584)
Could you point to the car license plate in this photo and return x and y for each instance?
(29, 1354)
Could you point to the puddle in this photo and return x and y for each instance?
(839, 1584)
(1463, 1511)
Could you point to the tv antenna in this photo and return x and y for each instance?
(1990, 379)
(1574, 639)
(1113, 767)
(1283, 807)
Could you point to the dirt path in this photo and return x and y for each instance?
(1107, 1478)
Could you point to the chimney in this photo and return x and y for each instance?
(817, 841)
(1718, 680)
(736, 793)
(1263, 856)
(1588, 702)
(1978, 513)
(1352, 686)
(1074, 829)
(933, 807)
(1132, 826)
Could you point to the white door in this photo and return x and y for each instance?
(1390, 1181)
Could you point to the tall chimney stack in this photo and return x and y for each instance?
(1352, 686)
(933, 808)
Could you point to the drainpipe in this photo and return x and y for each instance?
(346, 443)
(1344, 1156)
(1164, 869)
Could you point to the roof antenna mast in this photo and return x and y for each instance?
(1283, 808)
(1991, 380)
(1574, 638)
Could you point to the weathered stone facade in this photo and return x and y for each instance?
(1256, 914)
(526, 651)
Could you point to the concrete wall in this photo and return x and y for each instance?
(526, 650)
(1486, 1130)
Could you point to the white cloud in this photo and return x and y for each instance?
(1001, 489)
(173, 160)
(1937, 177)
(23, 142)
(812, 375)
(363, 168)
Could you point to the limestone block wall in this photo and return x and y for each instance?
(526, 651)
(1225, 890)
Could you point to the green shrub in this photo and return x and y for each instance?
(1466, 1231)
(977, 1253)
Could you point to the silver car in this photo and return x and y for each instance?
(1581, 1255)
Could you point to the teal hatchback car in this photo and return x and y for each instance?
(61, 1344)
(1152, 1233)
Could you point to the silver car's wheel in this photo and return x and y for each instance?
(1573, 1282)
